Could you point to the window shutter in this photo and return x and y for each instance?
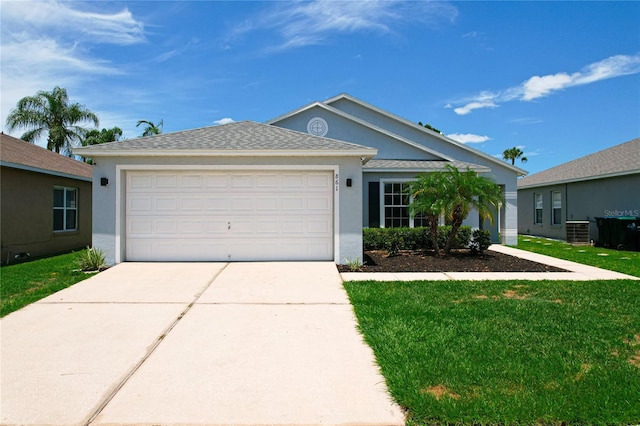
(374, 204)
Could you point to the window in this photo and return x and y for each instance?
(537, 202)
(556, 211)
(65, 209)
(396, 207)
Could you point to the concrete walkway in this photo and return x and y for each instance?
(196, 344)
(577, 271)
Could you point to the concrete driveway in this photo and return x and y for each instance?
(193, 343)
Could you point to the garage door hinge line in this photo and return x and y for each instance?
(151, 349)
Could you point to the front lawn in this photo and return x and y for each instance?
(626, 262)
(506, 352)
(26, 283)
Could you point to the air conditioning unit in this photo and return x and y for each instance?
(577, 231)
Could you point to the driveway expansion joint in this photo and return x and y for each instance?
(102, 405)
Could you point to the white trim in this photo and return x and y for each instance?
(481, 169)
(383, 181)
(146, 152)
(44, 171)
(123, 168)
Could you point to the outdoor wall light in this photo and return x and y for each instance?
(104, 181)
(349, 182)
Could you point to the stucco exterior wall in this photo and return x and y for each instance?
(26, 222)
(586, 200)
(109, 206)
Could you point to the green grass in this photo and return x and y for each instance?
(26, 283)
(506, 352)
(627, 262)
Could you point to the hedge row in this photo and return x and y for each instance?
(394, 239)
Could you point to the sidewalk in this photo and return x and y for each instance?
(577, 271)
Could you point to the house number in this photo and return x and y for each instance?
(337, 182)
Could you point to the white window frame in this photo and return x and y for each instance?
(554, 208)
(538, 205)
(64, 208)
(383, 205)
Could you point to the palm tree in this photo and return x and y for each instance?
(51, 112)
(151, 128)
(464, 191)
(427, 197)
(513, 154)
(95, 137)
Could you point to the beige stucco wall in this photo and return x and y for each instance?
(26, 223)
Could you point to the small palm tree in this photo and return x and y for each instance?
(513, 154)
(427, 197)
(467, 190)
(151, 128)
(51, 113)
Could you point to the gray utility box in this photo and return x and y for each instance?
(578, 231)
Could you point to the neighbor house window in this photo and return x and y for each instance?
(556, 208)
(537, 202)
(396, 207)
(65, 209)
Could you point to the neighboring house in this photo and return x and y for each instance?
(605, 183)
(298, 188)
(45, 201)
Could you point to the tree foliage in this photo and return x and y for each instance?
(151, 128)
(95, 137)
(52, 114)
(512, 154)
(454, 194)
(430, 127)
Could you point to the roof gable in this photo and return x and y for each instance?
(19, 154)
(408, 129)
(239, 138)
(619, 160)
(403, 131)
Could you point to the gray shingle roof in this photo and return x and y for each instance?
(617, 160)
(239, 136)
(424, 165)
(14, 152)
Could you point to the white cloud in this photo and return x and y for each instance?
(304, 23)
(111, 28)
(464, 110)
(48, 43)
(541, 86)
(468, 137)
(225, 120)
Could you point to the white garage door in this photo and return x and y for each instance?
(229, 215)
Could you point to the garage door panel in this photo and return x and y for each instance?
(272, 215)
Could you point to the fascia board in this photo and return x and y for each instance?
(44, 171)
(584, 179)
(416, 170)
(362, 153)
(519, 171)
(292, 113)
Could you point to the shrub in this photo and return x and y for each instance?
(395, 239)
(92, 259)
(480, 242)
(354, 265)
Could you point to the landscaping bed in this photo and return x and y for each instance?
(461, 260)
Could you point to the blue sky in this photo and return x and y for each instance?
(558, 79)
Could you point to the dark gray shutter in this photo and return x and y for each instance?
(374, 204)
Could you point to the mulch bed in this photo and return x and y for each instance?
(457, 261)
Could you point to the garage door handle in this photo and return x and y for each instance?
(228, 226)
